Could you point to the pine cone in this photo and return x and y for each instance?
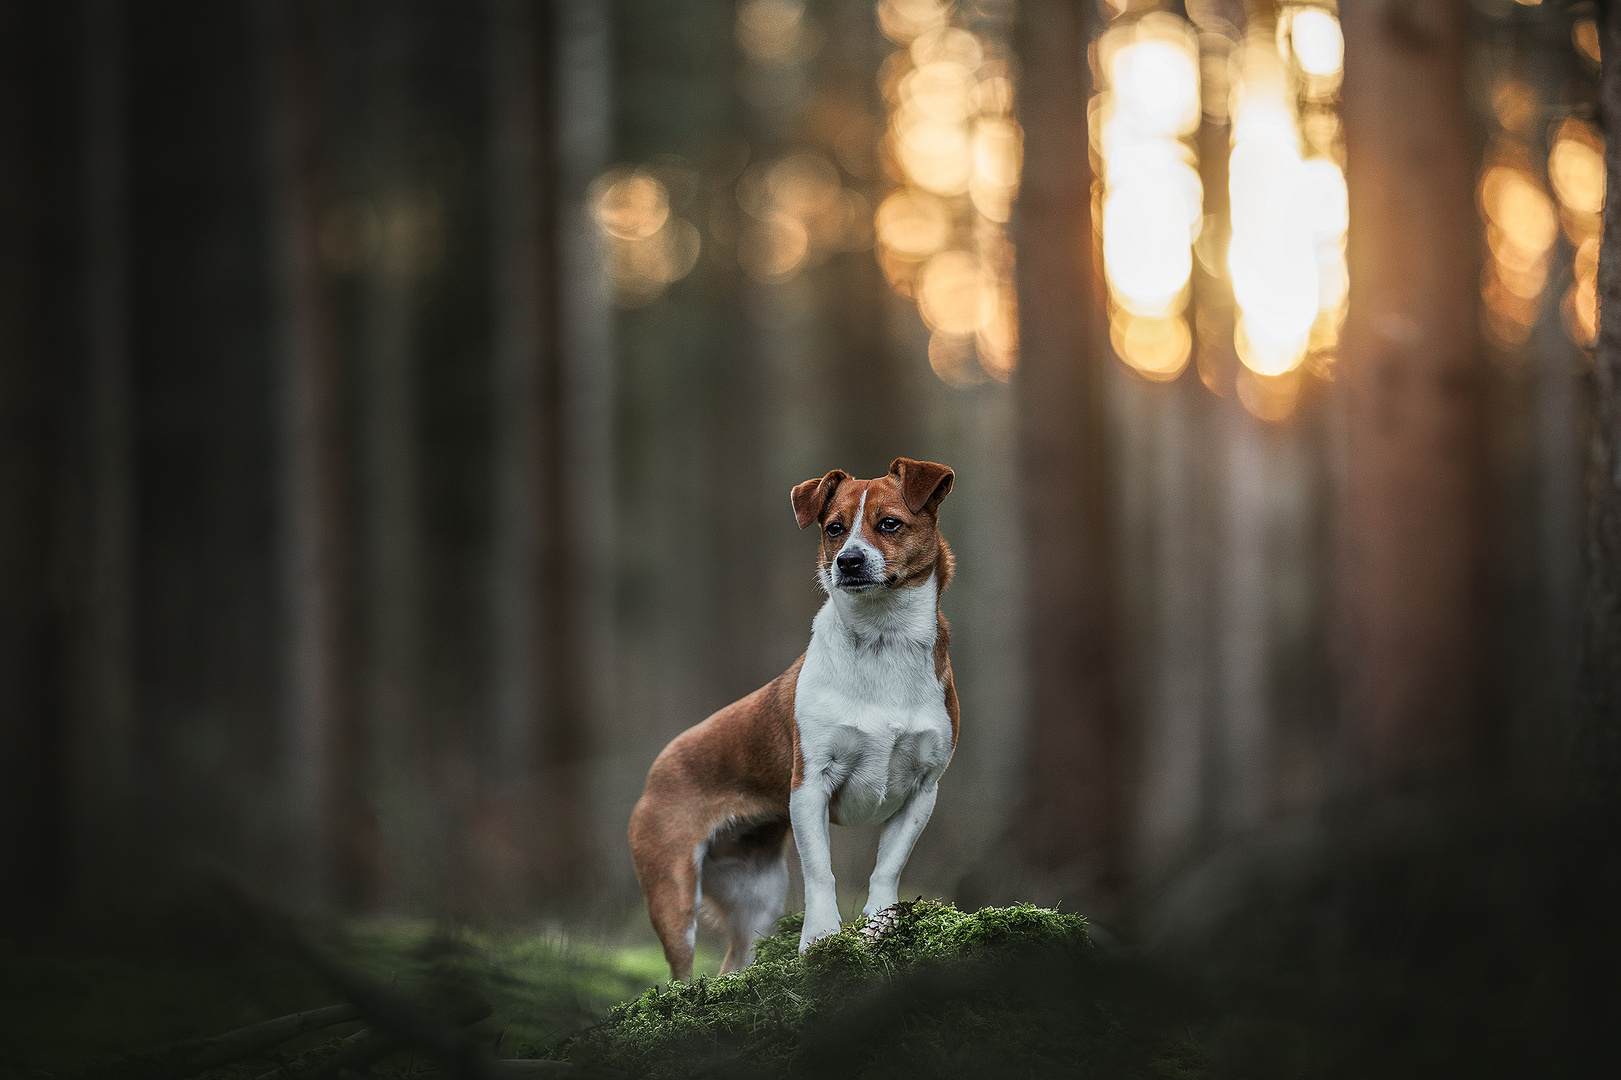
(884, 922)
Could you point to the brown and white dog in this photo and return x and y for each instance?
(856, 732)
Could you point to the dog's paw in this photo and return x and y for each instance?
(815, 931)
(879, 902)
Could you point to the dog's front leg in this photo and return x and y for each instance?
(895, 846)
(807, 810)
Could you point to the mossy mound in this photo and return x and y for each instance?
(919, 990)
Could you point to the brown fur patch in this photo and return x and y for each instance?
(735, 766)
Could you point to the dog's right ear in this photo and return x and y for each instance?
(810, 498)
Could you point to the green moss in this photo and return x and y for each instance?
(939, 992)
(77, 1009)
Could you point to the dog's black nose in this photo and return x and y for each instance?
(850, 562)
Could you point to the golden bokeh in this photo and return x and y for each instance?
(649, 247)
(1576, 168)
(1522, 224)
(903, 21)
(802, 185)
(1289, 211)
(1584, 35)
(953, 358)
(845, 224)
(947, 45)
(631, 206)
(1269, 397)
(1151, 203)
(936, 154)
(997, 337)
(1518, 206)
(1157, 347)
(1514, 104)
(773, 31)
(913, 224)
(797, 212)
(955, 152)
(772, 247)
(1580, 306)
(1315, 40)
(998, 156)
(1523, 218)
(955, 293)
(1153, 71)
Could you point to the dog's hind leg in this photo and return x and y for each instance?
(668, 861)
(745, 877)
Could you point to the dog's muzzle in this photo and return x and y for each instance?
(854, 570)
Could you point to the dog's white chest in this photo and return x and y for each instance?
(871, 712)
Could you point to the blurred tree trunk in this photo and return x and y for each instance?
(103, 707)
(389, 516)
(1073, 823)
(579, 127)
(1414, 464)
(1597, 762)
(31, 808)
(319, 755)
(541, 836)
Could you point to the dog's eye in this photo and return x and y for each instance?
(835, 529)
(889, 525)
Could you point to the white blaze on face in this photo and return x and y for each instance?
(872, 560)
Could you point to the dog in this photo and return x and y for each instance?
(857, 731)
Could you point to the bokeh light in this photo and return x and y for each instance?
(649, 247)
(1289, 211)
(913, 224)
(1315, 40)
(1269, 397)
(1584, 35)
(1152, 199)
(956, 151)
(772, 247)
(1581, 300)
(955, 293)
(954, 360)
(797, 212)
(1156, 346)
(1522, 224)
(1576, 168)
(903, 21)
(632, 207)
(775, 31)
(1514, 104)
(1576, 174)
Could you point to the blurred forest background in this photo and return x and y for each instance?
(400, 401)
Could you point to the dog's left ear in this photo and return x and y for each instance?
(923, 483)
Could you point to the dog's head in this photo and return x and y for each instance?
(878, 534)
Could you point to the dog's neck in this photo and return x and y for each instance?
(880, 617)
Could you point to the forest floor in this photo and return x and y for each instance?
(1481, 947)
(936, 992)
(71, 1006)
